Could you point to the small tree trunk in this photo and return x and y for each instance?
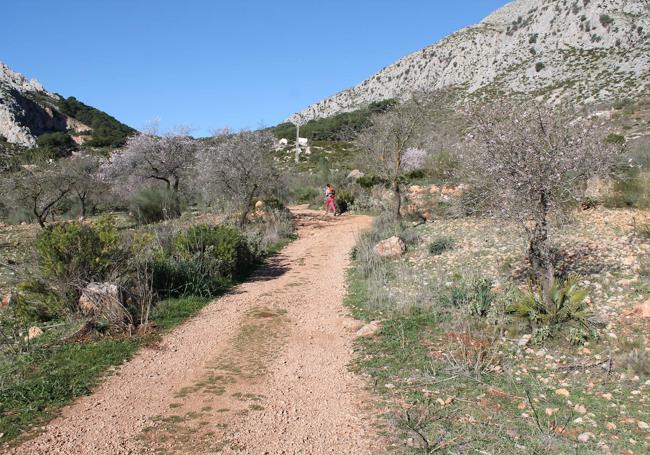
(538, 251)
(82, 200)
(397, 198)
(247, 207)
(40, 219)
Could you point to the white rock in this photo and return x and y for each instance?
(391, 247)
(585, 437)
(524, 340)
(34, 332)
(369, 329)
(102, 301)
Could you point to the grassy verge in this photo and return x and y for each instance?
(38, 383)
(49, 373)
(455, 382)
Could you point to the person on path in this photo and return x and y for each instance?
(330, 194)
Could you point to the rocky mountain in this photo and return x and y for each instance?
(27, 111)
(584, 50)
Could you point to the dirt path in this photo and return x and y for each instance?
(261, 370)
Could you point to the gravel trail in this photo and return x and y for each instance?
(263, 369)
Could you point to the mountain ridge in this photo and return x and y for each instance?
(28, 110)
(584, 50)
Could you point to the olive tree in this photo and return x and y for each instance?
(40, 188)
(236, 168)
(86, 183)
(532, 161)
(392, 145)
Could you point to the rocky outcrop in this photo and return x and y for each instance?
(27, 110)
(581, 50)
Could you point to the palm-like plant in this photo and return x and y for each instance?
(564, 303)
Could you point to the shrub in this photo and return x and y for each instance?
(59, 143)
(344, 200)
(202, 261)
(368, 181)
(221, 248)
(614, 138)
(174, 278)
(606, 20)
(631, 190)
(270, 232)
(306, 195)
(566, 303)
(74, 254)
(475, 295)
(153, 205)
(441, 244)
(539, 66)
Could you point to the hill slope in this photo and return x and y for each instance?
(585, 50)
(27, 111)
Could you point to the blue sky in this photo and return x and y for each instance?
(210, 64)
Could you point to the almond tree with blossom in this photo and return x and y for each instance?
(236, 168)
(392, 146)
(532, 163)
(148, 158)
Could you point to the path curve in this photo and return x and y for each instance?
(263, 369)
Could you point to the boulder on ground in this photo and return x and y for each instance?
(391, 247)
(355, 174)
(101, 301)
(9, 299)
(369, 329)
(643, 309)
(417, 189)
(34, 332)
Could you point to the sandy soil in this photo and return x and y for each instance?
(263, 369)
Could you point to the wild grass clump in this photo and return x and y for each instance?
(271, 232)
(441, 244)
(152, 205)
(472, 294)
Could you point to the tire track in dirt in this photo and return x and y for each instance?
(263, 369)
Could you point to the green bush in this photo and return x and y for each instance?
(614, 138)
(368, 181)
(106, 130)
(344, 201)
(74, 254)
(440, 245)
(59, 143)
(306, 195)
(221, 248)
(630, 190)
(202, 261)
(178, 278)
(153, 205)
(606, 20)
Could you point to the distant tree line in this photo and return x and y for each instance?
(106, 130)
(337, 127)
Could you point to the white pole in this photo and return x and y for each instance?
(298, 142)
